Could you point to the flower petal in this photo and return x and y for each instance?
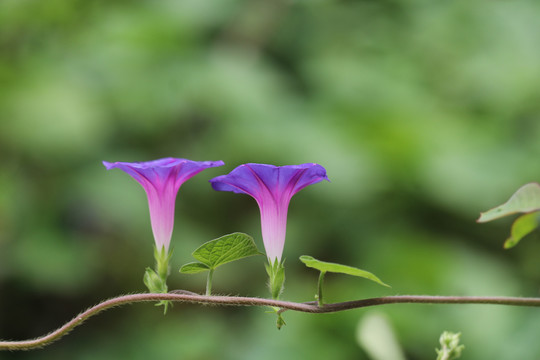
(259, 179)
(272, 187)
(161, 180)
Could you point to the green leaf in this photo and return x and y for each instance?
(525, 199)
(523, 226)
(225, 249)
(338, 268)
(377, 336)
(193, 268)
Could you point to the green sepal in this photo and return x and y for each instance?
(276, 278)
(521, 227)
(154, 282)
(165, 304)
(162, 262)
(324, 267)
(279, 320)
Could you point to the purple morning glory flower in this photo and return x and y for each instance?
(161, 180)
(272, 187)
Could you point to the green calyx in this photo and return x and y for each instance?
(276, 278)
(162, 262)
(156, 280)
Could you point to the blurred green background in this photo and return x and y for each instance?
(424, 113)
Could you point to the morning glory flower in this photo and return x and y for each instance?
(272, 187)
(161, 180)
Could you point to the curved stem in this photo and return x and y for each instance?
(252, 301)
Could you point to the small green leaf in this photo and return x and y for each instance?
(525, 199)
(323, 266)
(523, 226)
(225, 249)
(193, 268)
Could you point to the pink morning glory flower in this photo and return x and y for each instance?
(161, 180)
(272, 187)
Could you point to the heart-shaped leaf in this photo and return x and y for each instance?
(220, 251)
(225, 249)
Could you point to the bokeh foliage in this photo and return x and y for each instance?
(423, 112)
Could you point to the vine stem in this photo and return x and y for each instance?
(309, 307)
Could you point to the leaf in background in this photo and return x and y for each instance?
(193, 268)
(525, 199)
(523, 226)
(377, 337)
(338, 268)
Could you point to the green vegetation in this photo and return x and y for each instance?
(424, 113)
